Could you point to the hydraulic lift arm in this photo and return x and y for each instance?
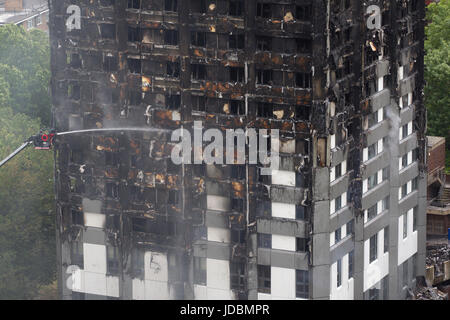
(15, 153)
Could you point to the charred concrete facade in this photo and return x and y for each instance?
(342, 218)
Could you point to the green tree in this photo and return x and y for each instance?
(25, 68)
(27, 228)
(437, 69)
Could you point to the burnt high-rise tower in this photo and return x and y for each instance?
(342, 218)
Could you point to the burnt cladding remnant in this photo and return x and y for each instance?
(340, 79)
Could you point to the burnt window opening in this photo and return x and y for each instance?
(108, 31)
(237, 74)
(136, 194)
(237, 107)
(238, 236)
(198, 38)
(303, 12)
(236, 8)
(350, 227)
(302, 113)
(112, 259)
(77, 218)
(134, 4)
(138, 262)
(112, 190)
(264, 279)
(173, 168)
(171, 5)
(76, 254)
(174, 197)
(134, 98)
(198, 6)
(303, 80)
(133, 161)
(238, 172)
(76, 156)
(264, 77)
(74, 92)
(107, 3)
(300, 181)
(373, 248)
(139, 224)
(263, 43)
(301, 245)
(264, 10)
(74, 61)
(171, 37)
(134, 34)
(265, 110)
(173, 101)
(237, 275)
(172, 69)
(200, 271)
(113, 222)
(237, 205)
(304, 45)
(200, 233)
(301, 212)
(198, 71)
(198, 103)
(264, 208)
(134, 66)
(110, 63)
(370, 56)
(264, 240)
(302, 284)
(236, 41)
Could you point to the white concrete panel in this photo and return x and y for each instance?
(380, 115)
(344, 199)
(400, 73)
(344, 167)
(217, 274)
(332, 238)
(138, 289)
(264, 296)
(284, 178)
(283, 210)
(283, 242)
(380, 146)
(95, 283)
(333, 141)
(218, 203)
(94, 258)
(218, 294)
(200, 292)
(365, 154)
(346, 290)
(112, 286)
(380, 176)
(156, 267)
(380, 84)
(406, 247)
(95, 220)
(410, 128)
(282, 283)
(332, 206)
(219, 235)
(332, 174)
(156, 290)
(365, 185)
(379, 268)
(410, 98)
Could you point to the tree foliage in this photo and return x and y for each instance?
(27, 232)
(27, 228)
(437, 69)
(25, 72)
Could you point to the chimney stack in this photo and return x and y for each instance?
(13, 5)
